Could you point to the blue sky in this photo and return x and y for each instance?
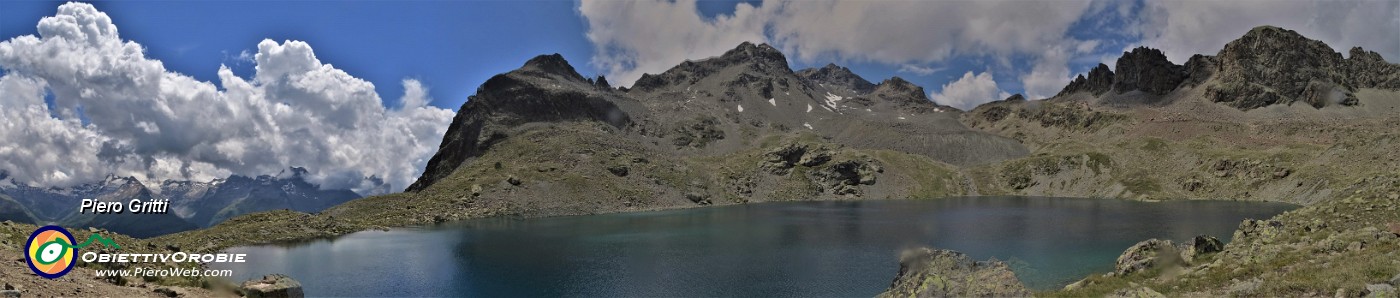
(451, 46)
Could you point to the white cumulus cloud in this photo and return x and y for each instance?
(1183, 28)
(634, 37)
(117, 111)
(969, 91)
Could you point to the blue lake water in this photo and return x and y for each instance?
(804, 249)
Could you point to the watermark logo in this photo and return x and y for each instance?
(51, 249)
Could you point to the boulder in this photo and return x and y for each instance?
(1146, 255)
(926, 272)
(272, 285)
(170, 292)
(1379, 291)
(1201, 245)
(618, 170)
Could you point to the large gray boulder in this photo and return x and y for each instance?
(926, 272)
(1148, 254)
(272, 286)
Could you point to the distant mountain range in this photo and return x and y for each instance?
(192, 204)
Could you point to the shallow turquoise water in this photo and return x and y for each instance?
(773, 249)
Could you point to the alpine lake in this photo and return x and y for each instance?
(802, 249)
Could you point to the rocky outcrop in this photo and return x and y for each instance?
(1146, 255)
(272, 286)
(926, 272)
(1099, 81)
(839, 76)
(904, 94)
(1148, 70)
(1271, 65)
(845, 177)
(782, 159)
(757, 58)
(1200, 245)
(1366, 69)
(1266, 66)
(1199, 69)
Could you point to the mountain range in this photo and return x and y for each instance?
(193, 204)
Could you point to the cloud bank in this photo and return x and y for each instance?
(1031, 41)
(969, 91)
(116, 111)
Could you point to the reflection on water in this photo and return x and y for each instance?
(846, 248)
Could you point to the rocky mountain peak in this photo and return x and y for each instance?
(762, 53)
(1146, 69)
(1366, 69)
(1100, 80)
(1271, 65)
(553, 64)
(831, 74)
(898, 87)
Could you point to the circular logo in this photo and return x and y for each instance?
(50, 251)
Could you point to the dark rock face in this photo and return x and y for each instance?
(1201, 245)
(758, 58)
(1266, 66)
(926, 272)
(837, 76)
(1366, 69)
(1199, 69)
(546, 89)
(1100, 80)
(897, 87)
(1270, 65)
(1147, 70)
(553, 64)
(845, 177)
(272, 286)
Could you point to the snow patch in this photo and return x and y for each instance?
(901, 117)
(808, 126)
(832, 99)
(741, 108)
(809, 108)
(772, 102)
